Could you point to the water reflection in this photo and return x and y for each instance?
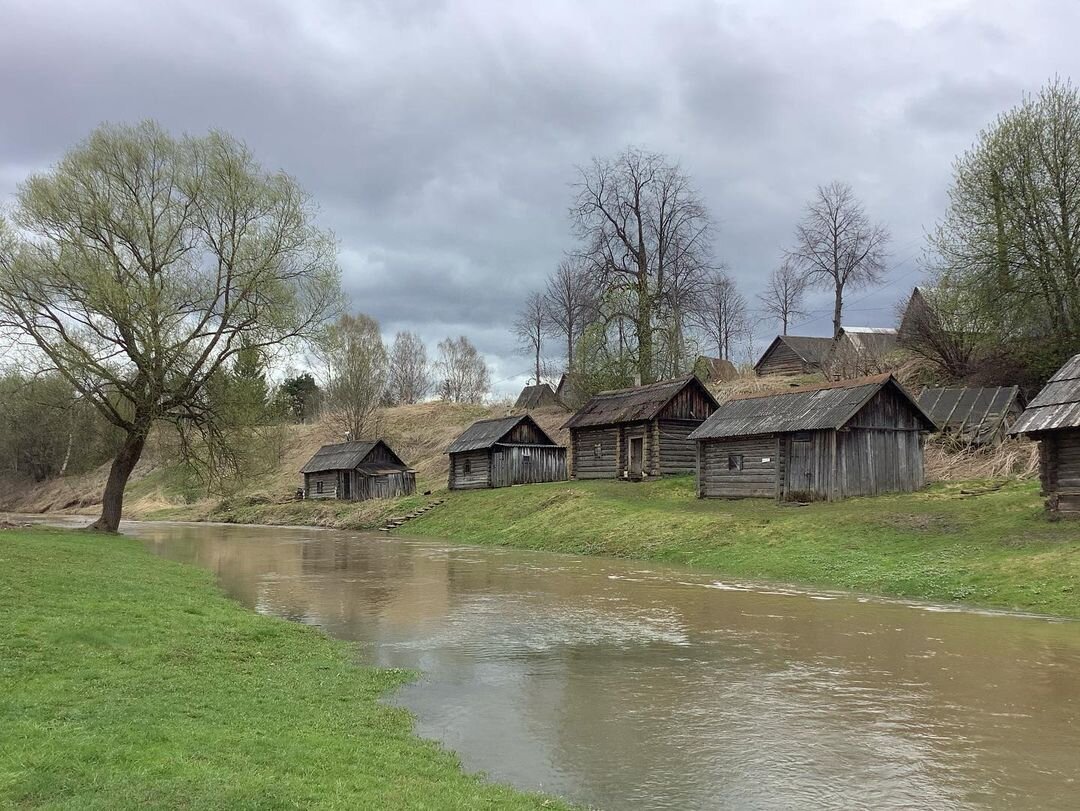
(623, 685)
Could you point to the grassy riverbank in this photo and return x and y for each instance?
(129, 681)
(979, 543)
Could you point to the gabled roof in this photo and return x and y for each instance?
(876, 341)
(637, 404)
(812, 350)
(345, 455)
(484, 434)
(807, 408)
(975, 414)
(1057, 405)
(536, 397)
(719, 370)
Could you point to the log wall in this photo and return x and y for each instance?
(595, 452)
(1059, 471)
(782, 360)
(479, 474)
(757, 479)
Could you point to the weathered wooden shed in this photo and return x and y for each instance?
(814, 443)
(794, 355)
(1053, 418)
(358, 470)
(538, 396)
(638, 432)
(571, 391)
(971, 415)
(505, 451)
(861, 351)
(714, 370)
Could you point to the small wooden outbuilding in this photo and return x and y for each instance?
(505, 451)
(358, 470)
(714, 370)
(639, 432)
(971, 415)
(1053, 418)
(571, 391)
(814, 443)
(794, 355)
(538, 396)
(861, 351)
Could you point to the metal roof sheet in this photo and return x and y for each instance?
(1057, 406)
(486, 433)
(636, 404)
(809, 408)
(343, 455)
(975, 414)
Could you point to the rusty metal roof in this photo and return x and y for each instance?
(976, 415)
(487, 433)
(637, 404)
(812, 350)
(1057, 406)
(344, 455)
(807, 408)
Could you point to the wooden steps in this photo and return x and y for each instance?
(394, 523)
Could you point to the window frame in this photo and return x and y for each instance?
(736, 462)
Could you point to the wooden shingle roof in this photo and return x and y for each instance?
(637, 404)
(807, 408)
(1057, 406)
(484, 434)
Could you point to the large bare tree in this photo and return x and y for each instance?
(645, 233)
(144, 263)
(354, 363)
(719, 312)
(463, 374)
(570, 303)
(410, 374)
(530, 328)
(783, 296)
(837, 247)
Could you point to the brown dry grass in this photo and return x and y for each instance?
(1012, 459)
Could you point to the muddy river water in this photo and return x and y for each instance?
(627, 685)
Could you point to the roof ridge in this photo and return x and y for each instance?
(849, 383)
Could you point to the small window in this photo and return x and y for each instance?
(466, 467)
(801, 436)
(318, 486)
(526, 457)
(597, 451)
(735, 462)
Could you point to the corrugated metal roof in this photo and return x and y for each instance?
(1057, 406)
(486, 433)
(811, 349)
(974, 414)
(808, 408)
(343, 455)
(631, 405)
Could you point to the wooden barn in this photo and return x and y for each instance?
(502, 452)
(639, 432)
(861, 351)
(356, 471)
(814, 443)
(971, 415)
(1053, 418)
(794, 355)
(538, 396)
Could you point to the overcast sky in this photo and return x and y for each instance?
(440, 139)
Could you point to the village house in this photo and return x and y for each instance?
(1053, 419)
(502, 452)
(793, 355)
(356, 471)
(971, 415)
(539, 396)
(638, 432)
(861, 351)
(814, 443)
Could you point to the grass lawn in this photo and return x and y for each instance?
(957, 542)
(130, 681)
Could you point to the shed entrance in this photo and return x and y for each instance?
(799, 479)
(637, 456)
(346, 484)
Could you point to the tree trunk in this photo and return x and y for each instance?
(645, 338)
(838, 308)
(112, 502)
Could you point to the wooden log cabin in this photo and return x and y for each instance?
(639, 432)
(794, 355)
(1053, 419)
(356, 471)
(503, 452)
(814, 443)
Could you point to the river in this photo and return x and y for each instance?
(624, 685)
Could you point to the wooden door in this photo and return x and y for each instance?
(637, 455)
(346, 484)
(799, 483)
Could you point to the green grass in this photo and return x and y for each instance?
(992, 548)
(129, 682)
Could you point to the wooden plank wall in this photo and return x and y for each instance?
(808, 466)
(390, 485)
(588, 463)
(677, 454)
(517, 465)
(329, 478)
(757, 479)
(525, 433)
(783, 361)
(478, 477)
(1059, 453)
(689, 404)
(880, 450)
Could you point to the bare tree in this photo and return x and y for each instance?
(837, 247)
(410, 375)
(144, 263)
(643, 229)
(463, 374)
(569, 301)
(719, 312)
(783, 298)
(530, 327)
(355, 366)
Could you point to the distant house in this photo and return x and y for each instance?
(538, 396)
(814, 443)
(917, 312)
(861, 351)
(794, 355)
(638, 432)
(714, 370)
(974, 416)
(1053, 418)
(356, 471)
(571, 391)
(502, 452)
